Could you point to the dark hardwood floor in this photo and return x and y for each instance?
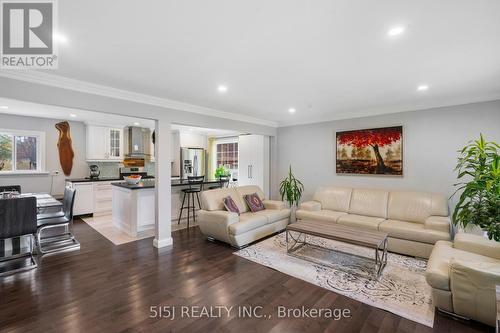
(108, 288)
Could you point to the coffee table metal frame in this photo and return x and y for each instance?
(295, 243)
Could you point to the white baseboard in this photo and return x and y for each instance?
(163, 242)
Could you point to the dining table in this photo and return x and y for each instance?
(44, 201)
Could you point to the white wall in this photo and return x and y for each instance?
(431, 140)
(193, 140)
(42, 183)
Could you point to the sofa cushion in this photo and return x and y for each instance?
(442, 223)
(274, 204)
(320, 215)
(334, 198)
(310, 205)
(231, 205)
(364, 222)
(412, 231)
(275, 215)
(477, 244)
(369, 202)
(254, 203)
(416, 206)
(438, 267)
(248, 221)
(214, 199)
(248, 189)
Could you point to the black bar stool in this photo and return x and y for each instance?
(195, 187)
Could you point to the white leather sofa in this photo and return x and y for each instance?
(239, 230)
(414, 221)
(463, 275)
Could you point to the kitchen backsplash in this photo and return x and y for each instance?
(149, 167)
(109, 170)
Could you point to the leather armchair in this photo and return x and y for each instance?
(463, 276)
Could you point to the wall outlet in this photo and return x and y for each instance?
(55, 173)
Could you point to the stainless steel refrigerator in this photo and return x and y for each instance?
(193, 162)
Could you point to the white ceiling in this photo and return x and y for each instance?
(329, 59)
(211, 132)
(22, 108)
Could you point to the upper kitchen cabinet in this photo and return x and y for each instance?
(104, 144)
(253, 161)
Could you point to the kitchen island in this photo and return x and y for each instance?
(134, 207)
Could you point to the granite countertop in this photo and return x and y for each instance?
(143, 184)
(184, 182)
(101, 179)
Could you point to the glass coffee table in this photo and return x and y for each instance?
(296, 238)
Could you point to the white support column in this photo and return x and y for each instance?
(163, 235)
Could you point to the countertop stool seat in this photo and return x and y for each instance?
(195, 187)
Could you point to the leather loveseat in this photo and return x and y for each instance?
(414, 221)
(239, 230)
(463, 276)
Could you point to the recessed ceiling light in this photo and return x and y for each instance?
(72, 115)
(395, 31)
(60, 38)
(222, 88)
(5, 107)
(136, 124)
(423, 87)
(291, 110)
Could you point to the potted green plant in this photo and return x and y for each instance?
(479, 202)
(291, 190)
(222, 172)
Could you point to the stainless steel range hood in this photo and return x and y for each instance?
(139, 142)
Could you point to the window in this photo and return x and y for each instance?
(227, 155)
(21, 151)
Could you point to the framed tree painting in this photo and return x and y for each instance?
(377, 151)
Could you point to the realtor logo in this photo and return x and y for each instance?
(27, 34)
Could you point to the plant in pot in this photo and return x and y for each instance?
(479, 202)
(291, 190)
(222, 172)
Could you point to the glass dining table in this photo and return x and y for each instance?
(43, 200)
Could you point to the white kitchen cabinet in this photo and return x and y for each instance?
(102, 199)
(104, 144)
(253, 161)
(84, 198)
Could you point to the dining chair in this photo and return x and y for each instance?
(16, 242)
(17, 218)
(10, 188)
(63, 241)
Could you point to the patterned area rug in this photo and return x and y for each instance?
(348, 270)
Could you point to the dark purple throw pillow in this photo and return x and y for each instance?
(254, 203)
(231, 205)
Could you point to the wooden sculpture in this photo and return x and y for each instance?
(64, 144)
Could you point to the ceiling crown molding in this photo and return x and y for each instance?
(97, 89)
